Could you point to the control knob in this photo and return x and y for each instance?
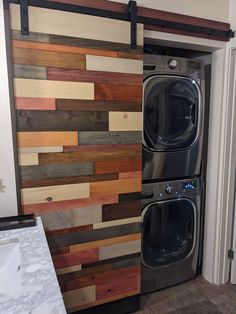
(169, 189)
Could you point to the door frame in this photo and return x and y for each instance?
(221, 153)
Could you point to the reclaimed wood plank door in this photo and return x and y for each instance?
(78, 95)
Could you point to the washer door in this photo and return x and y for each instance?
(168, 234)
(171, 112)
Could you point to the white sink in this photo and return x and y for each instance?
(10, 278)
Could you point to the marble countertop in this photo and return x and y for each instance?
(40, 293)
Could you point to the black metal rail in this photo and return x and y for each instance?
(131, 16)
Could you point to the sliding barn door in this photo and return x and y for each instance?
(78, 91)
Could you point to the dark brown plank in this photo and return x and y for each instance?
(106, 147)
(119, 137)
(69, 180)
(128, 165)
(119, 93)
(48, 120)
(48, 58)
(91, 155)
(124, 50)
(121, 210)
(130, 197)
(99, 77)
(94, 235)
(38, 172)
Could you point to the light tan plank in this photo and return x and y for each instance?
(105, 242)
(119, 250)
(118, 222)
(125, 121)
(46, 149)
(81, 296)
(77, 25)
(28, 159)
(68, 270)
(55, 193)
(53, 89)
(97, 63)
(36, 139)
(72, 217)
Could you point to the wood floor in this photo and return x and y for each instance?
(193, 297)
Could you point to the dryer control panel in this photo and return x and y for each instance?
(170, 189)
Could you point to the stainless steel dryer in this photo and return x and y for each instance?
(173, 107)
(170, 233)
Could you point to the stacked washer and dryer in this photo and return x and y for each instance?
(173, 115)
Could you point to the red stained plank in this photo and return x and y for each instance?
(76, 203)
(52, 233)
(127, 175)
(60, 250)
(76, 258)
(30, 103)
(119, 93)
(129, 165)
(99, 77)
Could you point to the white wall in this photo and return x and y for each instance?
(232, 15)
(8, 199)
(209, 9)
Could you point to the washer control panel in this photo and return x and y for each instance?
(170, 189)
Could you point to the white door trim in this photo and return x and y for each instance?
(221, 153)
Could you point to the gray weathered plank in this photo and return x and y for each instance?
(56, 170)
(94, 235)
(30, 71)
(33, 36)
(122, 137)
(48, 120)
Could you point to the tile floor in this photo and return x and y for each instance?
(193, 297)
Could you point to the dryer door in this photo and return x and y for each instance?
(171, 112)
(169, 232)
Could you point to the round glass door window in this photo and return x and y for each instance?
(168, 232)
(170, 113)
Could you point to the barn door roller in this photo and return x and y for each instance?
(133, 9)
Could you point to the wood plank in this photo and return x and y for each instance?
(120, 93)
(29, 71)
(122, 210)
(116, 186)
(91, 155)
(48, 58)
(55, 193)
(28, 159)
(79, 296)
(125, 121)
(94, 235)
(98, 77)
(96, 105)
(130, 197)
(76, 258)
(35, 139)
(48, 120)
(33, 36)
(105, 243)
(117, 222)
(120, 65)
(61, 205)
(94, 148)
(51, 233)
(102, 167)
(66, 270)
(135, 174)
(30, 103)
(124, 137)
(67, 180)
(75, 217)
(98, 50)
(123, 50)
(41, 149)
(74, 24)
(60, 250)
(119, 249)
(53, 89)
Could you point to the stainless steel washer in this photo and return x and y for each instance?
(173, 107)
(170, 233)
